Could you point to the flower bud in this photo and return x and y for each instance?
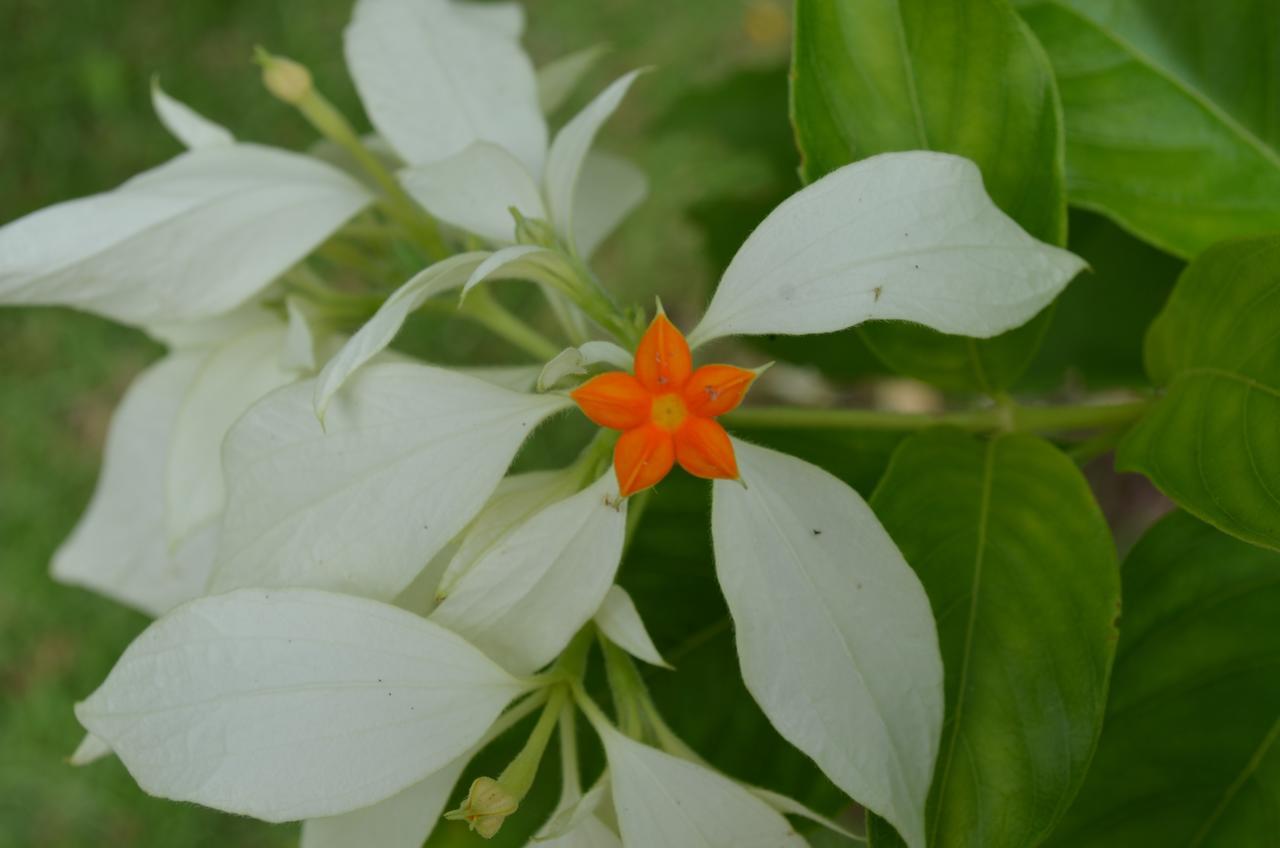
(284, 78)
(488, 804)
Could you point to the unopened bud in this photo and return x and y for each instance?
(533, 230)
(286, 79)
(488, 804)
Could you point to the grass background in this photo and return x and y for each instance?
(75, 118)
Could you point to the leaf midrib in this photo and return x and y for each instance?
(984, 513)
(1191, 92)
(1253, 764)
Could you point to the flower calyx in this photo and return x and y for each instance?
(487, 806)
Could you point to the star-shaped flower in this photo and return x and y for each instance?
(666, 411)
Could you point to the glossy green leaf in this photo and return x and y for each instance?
(1021, 572)
(1095, 340)
(1211, 442)
(1189, 754)
(1172, 118)
(960, 76)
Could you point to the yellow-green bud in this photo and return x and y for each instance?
(487, 806)
(286, 79)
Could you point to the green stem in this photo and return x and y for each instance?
(627, 688)
(1028, 419)
(1096, 446)
(481, 306)
(635, 512)
(518, 777)
(333, 125)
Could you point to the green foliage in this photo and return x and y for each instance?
(1172, 123)
(1188, 755)
(1095, 339)
(1210, 442)
(1021, 572)
(960, 76)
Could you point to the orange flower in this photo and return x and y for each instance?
(666, 411)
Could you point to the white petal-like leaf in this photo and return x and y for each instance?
(192, 238)
(538, 264)
(910, 236)
(186, 124)
(574, 361)
(214, 330)
(434, 81)
(524, 599)
(567, 363)
(293, 704)
(120, 547)
(600, 351)
(590, 832)
(558, 78)
(569, 152)
(619, 620)
(517, 499)
(228, 382)
(574, 807)
(506, 18)
(404, 820)
(475, 191)
(300, 342)
(834, 631)
(664, 800)
(407, 455)
(517, 378)
(380, 330)
(91, 749)
(609, 189)
(791, 807)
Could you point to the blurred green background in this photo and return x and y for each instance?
(75, 118)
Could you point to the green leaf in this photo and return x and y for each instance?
(1210, 442)
(1189, 756)
(1099, 321)
(1021, 572)
(960, 76)
(1172, 118)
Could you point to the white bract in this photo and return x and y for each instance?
(407, 455)
(824, 604)
(523, 600)
(909, 236)
(289, 704)
(243, 214)
(665, 800)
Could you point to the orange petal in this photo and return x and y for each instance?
(614, 400)
(704, 450)
(663, 360)
(642, 457)
(715, 389)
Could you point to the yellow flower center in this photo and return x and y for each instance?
(668, 411)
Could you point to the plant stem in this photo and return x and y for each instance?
(333, 125)
(481, 306)
(1027, 419)
(517, 777)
